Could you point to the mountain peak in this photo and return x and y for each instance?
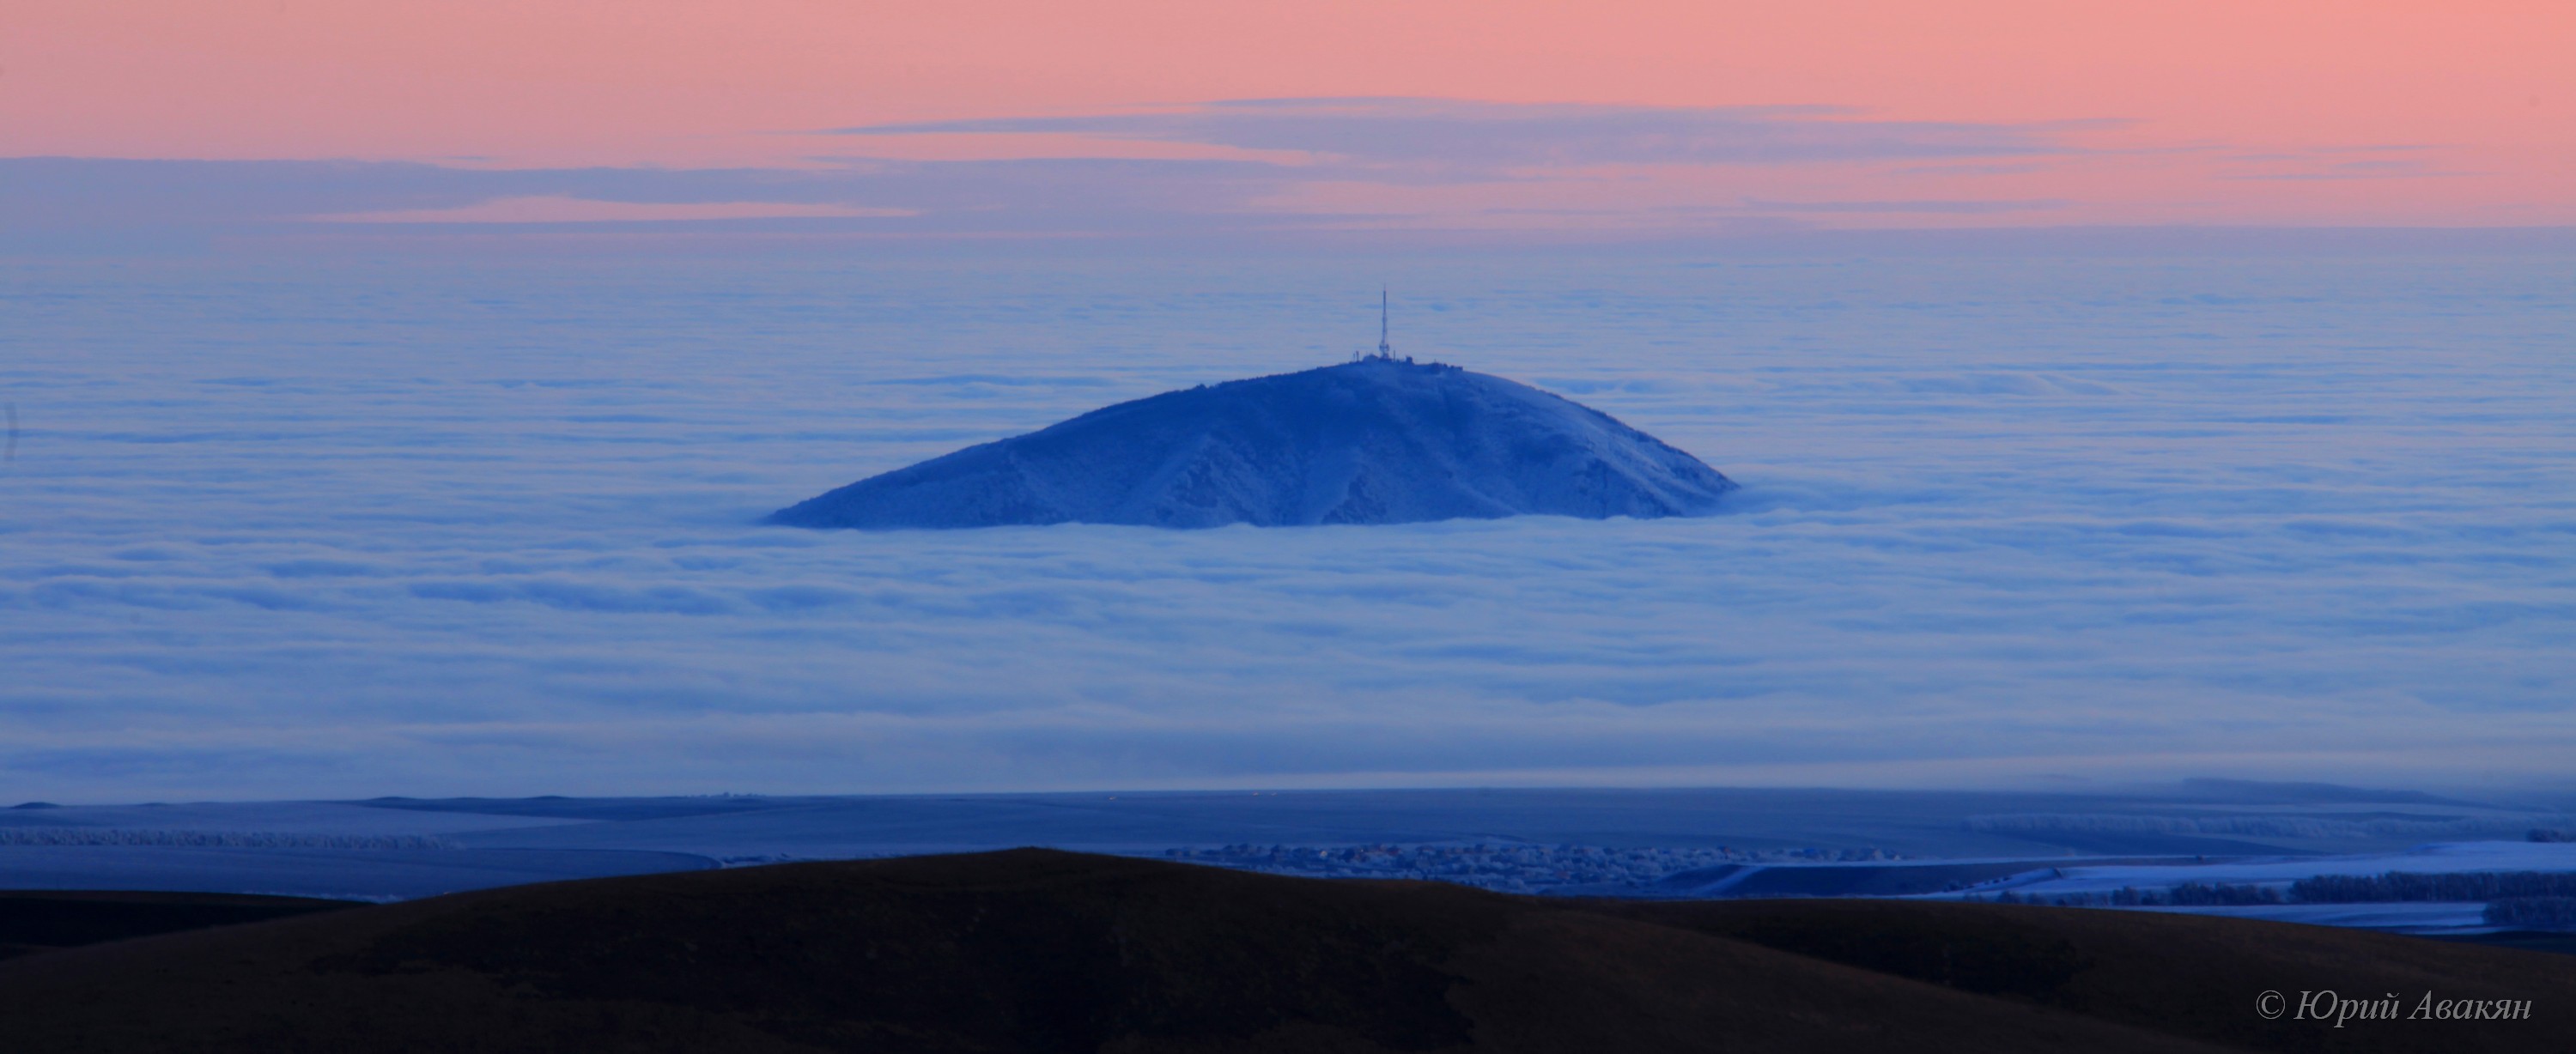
(1376, 440)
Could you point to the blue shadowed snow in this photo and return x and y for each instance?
(1368, 442)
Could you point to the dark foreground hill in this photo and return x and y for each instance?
(1374, 441)
(1045, 951)
(34, 921)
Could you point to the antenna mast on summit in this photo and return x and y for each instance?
(1383, 351)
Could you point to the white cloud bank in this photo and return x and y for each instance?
(360, 529)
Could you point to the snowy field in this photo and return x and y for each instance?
(2277, 873)
(2440, 858)
(2422, 917)
(359, 528)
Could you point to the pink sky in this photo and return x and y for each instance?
(2238, 112)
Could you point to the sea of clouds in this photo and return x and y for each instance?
(447, 526)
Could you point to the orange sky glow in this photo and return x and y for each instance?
(2294, 112)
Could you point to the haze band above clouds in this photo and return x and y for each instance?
(1271, 166)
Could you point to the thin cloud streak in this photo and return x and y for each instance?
(556, 208)
(1960, 208)
(1473, 135)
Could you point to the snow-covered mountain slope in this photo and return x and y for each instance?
(1372, 441)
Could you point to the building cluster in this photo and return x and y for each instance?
(1505, 868)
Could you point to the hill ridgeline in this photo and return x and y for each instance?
(1372, 441)
(1056, 953)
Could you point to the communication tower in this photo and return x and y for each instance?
(1384, 351)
